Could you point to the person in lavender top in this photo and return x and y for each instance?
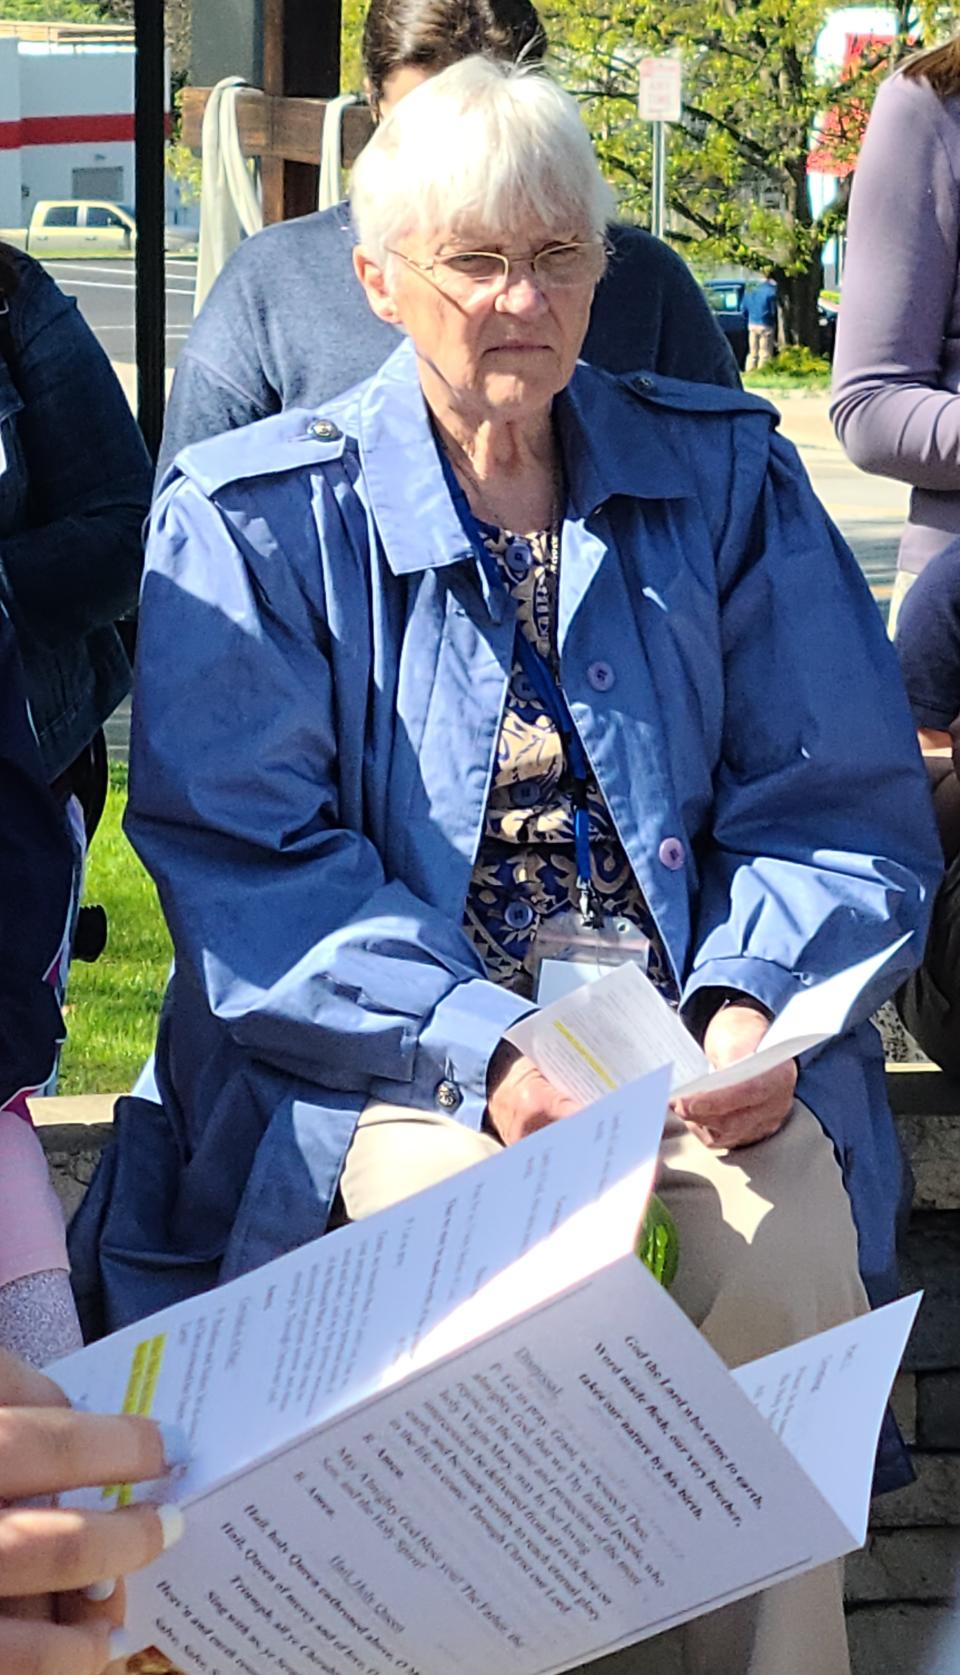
(896, 391)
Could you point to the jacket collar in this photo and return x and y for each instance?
(611, 443)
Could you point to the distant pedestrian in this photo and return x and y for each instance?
(761, 306)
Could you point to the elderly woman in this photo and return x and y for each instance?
(495, 642)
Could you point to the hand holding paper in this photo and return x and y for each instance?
(750, 1111)
(520, 1098)
(612, 1032)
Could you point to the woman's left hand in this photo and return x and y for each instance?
(756, 1109)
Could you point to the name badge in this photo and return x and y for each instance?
(567, 953)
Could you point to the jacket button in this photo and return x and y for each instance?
(448, 1096)
(323, 430)
(526, 793)
(517, 560)
(672, 853)
(519, 915)
(601, 677)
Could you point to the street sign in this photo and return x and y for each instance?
(660, 80)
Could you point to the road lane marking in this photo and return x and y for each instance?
(68, 285)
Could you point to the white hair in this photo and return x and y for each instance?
(483, 143)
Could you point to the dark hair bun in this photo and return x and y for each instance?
(430, 34)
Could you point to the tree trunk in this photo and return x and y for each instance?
(799, 296)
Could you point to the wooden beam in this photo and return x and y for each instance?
(301, 58)
(271, 126)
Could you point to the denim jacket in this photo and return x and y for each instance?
(74, 488)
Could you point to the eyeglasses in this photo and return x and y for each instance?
(471, 274)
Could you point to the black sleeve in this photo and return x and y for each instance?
(650, 315)
(928, 641)
(35, 880)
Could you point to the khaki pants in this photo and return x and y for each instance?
(768, 1255)
(763, 346)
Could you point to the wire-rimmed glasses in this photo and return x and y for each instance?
(465, 275)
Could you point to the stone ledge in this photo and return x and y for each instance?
(904, 1640)
(930, 1261)
(926, 1104)
(73, 1152)
(937, 1411)
(904, 1399)
(920, 1566)
(933, 1501)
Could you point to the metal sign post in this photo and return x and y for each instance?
(659, 102)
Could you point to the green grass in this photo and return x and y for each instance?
(793, 369)
(112, 1006)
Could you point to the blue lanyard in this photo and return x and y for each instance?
(548, 690)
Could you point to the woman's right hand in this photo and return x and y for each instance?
(519, 1098)
(50, 1555)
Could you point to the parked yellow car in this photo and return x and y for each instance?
(72, 227)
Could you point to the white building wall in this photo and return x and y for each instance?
(48, 171)
(74, 82)
(10, 214)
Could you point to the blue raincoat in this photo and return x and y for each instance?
(321, 675)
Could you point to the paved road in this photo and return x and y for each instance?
(105, 293)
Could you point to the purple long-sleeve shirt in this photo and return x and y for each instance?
(896, 387)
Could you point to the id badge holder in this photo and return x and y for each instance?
(567, 953)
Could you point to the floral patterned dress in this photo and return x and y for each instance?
(526, 869)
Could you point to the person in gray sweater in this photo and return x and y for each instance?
(287, 325)
(896, 388)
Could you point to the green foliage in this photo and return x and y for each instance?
(182, 164)
(51, 11)
(794, 365)
(112, 1006)
(753, 91)
(351, 32)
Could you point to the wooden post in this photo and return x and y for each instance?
(301, 56)
(282, 123)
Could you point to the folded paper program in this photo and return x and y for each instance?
(606, 1034)
(474, 1432)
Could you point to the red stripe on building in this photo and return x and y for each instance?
(67, 130)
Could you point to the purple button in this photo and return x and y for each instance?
(601, 677)
(672, 853)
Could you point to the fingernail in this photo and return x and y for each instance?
(177, 1448)
(121, 1646)
(99, 1591)
(172, 1523)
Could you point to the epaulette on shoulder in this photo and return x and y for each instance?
(686, 397)
(285, 442)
